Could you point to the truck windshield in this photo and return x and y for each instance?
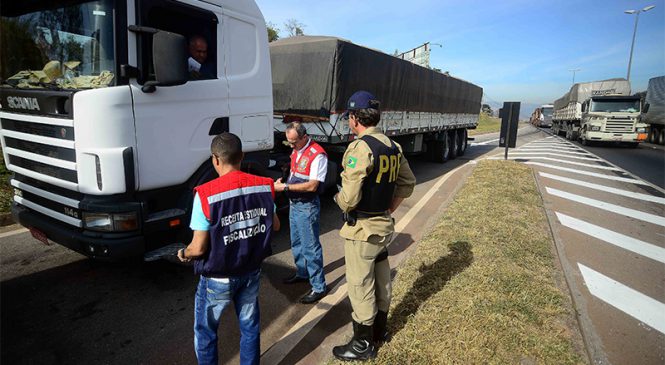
(547, 112)
(50, 46)
(616, 105)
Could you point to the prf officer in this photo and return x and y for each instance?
(375, 180)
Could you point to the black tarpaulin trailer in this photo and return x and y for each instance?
(313, 76)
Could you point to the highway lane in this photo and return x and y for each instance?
(647, 161)
(59, 307)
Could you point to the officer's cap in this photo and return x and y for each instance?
(361, 100)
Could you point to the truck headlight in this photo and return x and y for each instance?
(594, 128)
(641, 130)
(110, 222)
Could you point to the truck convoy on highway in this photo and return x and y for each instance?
(106, 134)
(599, 111)
(653, 112)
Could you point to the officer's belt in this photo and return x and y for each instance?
(363, 215)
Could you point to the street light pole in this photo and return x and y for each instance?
(632, 45)
(573, 71)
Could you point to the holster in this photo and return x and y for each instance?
(350, 218)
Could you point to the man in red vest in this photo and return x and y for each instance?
(233, 218)
(309, 164)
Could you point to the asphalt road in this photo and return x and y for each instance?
(647, 161)
(60, 307)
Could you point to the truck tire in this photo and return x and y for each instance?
(463, 141)
(661, 135)
(653, 135)
(441, 149)
(453, 136)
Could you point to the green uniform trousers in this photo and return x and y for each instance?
(368, 281)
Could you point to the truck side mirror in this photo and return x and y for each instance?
(169, 58)
(645, 109)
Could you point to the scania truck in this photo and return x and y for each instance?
(106, 132)
(600, 111)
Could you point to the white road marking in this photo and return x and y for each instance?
(484, 143)
(561, 150)
(280, 349)
(600, 167)
(580, 172)
(14, 232)
(605, 189)
(627, 243)
(628, 300)
(517, 153)
(647, 217)
(550, 144)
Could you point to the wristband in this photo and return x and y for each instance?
(286, 188)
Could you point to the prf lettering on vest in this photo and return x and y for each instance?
(388, 164)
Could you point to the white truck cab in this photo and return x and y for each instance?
(105, 130)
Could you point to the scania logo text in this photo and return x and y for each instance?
(16, 102)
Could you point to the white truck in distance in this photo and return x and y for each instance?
(599, 111)
(106, 133)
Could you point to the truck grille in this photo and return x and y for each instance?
(40, 151)
(619, 125)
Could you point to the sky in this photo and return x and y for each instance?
(516, 50)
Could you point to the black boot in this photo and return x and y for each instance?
(361, 346)
(380, 322)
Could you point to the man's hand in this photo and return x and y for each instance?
(181, 255)
(279, 185)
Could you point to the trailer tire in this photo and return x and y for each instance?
(464, 143)
(653, 135)
(453, 136)
(661, 135)
(441, 150)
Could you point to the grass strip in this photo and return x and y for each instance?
(486, 124)
(481, 287)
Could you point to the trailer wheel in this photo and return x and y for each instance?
(441, 151)
(454, 143)
(661, 135)
(653, 135)
(462, 133)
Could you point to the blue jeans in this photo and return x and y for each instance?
(212, 297)
(305, 244)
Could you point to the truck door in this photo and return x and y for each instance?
(173, 124)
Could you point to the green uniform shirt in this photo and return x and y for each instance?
(358, 163)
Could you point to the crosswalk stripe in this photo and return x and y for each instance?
(517, 153)
(551, 144)
(605, 189)
(600, 167)
(587, 173)
(552, 149)
(647, 217)
(627, 243)
(627, 300)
